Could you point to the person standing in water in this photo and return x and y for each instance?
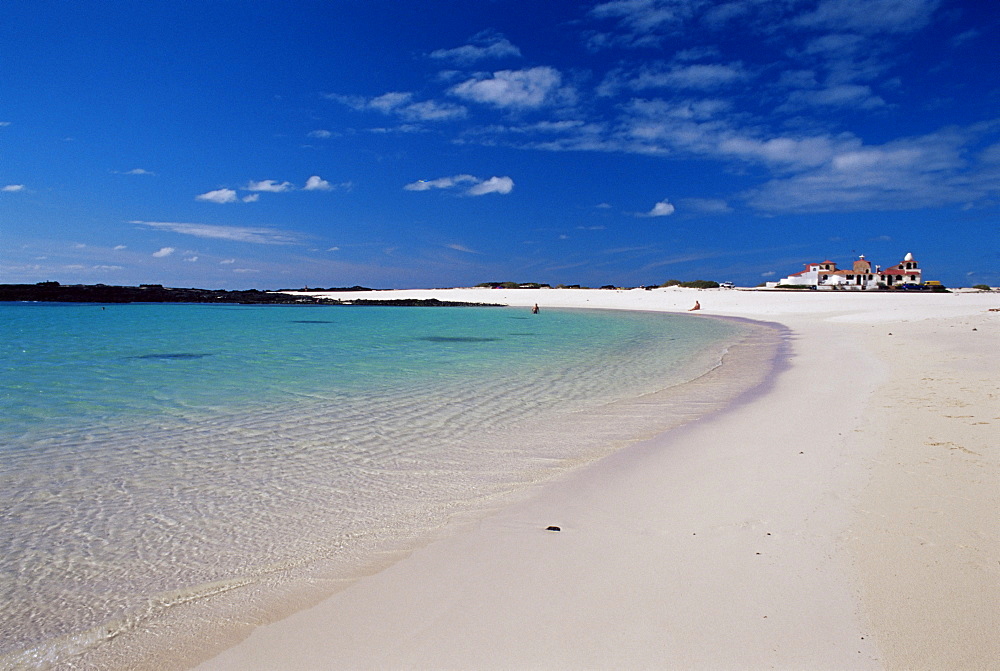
(534, 310)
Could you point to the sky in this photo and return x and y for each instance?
(265, 144)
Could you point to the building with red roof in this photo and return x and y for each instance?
(861, 276)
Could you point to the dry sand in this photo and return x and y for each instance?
(846, 518)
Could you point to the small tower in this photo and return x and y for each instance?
(862, 267)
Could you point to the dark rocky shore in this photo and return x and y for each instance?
(53, 292)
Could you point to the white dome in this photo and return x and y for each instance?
(908, 257)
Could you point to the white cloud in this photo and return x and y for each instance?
(4, 123)
(269, 186)
(220, 196)
(662, 209)
(12, 188)
(502, 185)
(532, 88)
(225, 262)
(322, 134)
(484, 45)
(139, 171)
(262, 236)
(191, 259)
(440, 183)
(251, 198)
(317, 183)
(118, 248)
(479, 187)
(164, 251)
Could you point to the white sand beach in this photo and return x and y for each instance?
(846, 517)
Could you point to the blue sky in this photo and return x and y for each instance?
(256, 143)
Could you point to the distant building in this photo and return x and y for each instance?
(826, 275)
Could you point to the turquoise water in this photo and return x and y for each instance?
(170, 468)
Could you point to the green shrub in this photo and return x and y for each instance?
(700, 284)
(983, 287)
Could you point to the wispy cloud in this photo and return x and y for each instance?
(706, 205)
(909, 173)
(269, 186)
(518, 89)
(260, 236)
(461, 248)
(164, 252)
(402, 104)
(12, 188)
(702, 76)
(220, 196)
(440, 183)
(485, 45)
(476, 186)
(869, 16)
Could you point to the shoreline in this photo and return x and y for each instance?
(745, 540)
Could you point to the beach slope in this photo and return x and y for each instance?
(843, 517)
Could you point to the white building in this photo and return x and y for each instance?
(826, 275)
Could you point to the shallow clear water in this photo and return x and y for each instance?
(161, 465)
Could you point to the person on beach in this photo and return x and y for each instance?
(534, 310)
(697, 306)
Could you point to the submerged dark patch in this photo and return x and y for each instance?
(458, 339)
(179, 355)
(310, 321)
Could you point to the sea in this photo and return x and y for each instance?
(172, 476)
